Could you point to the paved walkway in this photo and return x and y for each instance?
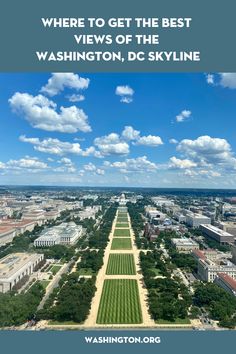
(53, 284)
(91, 320)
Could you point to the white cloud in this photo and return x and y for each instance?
(81, 173)
(58, 147)
(41, 113)
(90, 167)
(126, 93)
(190, 173)
(66, 161)
(182, 164)
(59, 81)
(75, 98)
(149, 140)
(139, 164)
(228, 80)
(210, 79)
(209, 173)
(207, 150)
(27, 163)
(65, 169)
(185, 114)
(215, 173)
(100, 172)
(201, 173)
(129, 133)
(205, 147)
(111, 144)
(126, 99)
(173, 141)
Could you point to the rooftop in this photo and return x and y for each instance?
(228, 280)
(199, 254)
(11, 263)
(197, 216)
(217, 230)
(184, 241)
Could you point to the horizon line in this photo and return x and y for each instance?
(94, 186)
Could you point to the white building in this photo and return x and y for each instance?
(195, 220)
(180, 217)
(11, 228)
(161, 201)
(6, 235)
(33, 214)
(217, 234)
(15, 266)
(153, 213)
(208, 270)
(89, 212)
(184, 245)
(229, 227)
(64, 234)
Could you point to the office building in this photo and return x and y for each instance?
(226, 282)
(17, 266)
(184, 245)
(208, 270)
(217, 234)
(195, 220)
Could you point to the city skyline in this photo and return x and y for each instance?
(128, 130)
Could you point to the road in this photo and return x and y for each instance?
(54, 283)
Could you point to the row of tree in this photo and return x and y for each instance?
(168, 298)
(180, 260)
(71, 301)
(91, 260)
(58, 252)
(99, 237)
(16, 309)
(135, 212)
(220, 304)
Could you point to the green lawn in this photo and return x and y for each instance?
(121, 244)
(54, 269)
(44, 283)
(119, 302)
(124, 224)
(121, 264)
(121, 220)
(121, 233)
(122, 215)
(181, 321)
(86, 271)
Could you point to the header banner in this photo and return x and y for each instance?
(118, 36)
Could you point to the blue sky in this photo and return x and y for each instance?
(147, 130)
